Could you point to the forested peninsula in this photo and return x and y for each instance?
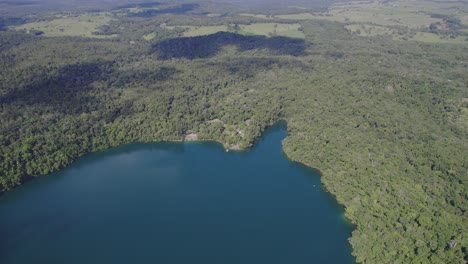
(385, 120)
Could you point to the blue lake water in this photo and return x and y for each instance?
(176, 203)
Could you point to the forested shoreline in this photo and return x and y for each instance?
(385, 121)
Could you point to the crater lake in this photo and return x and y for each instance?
(176, 203)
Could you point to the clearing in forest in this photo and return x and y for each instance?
(69, 25)
(365, 30)
(265, 29)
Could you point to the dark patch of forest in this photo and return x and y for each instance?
(208, 46)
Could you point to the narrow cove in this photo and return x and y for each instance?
(176, 203)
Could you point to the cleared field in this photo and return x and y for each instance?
(298, 7)
(365, 30)
(379, 17)
(265, 29)
(405, 13)
(254, 15)
(412, 14)
(192, 31)
(302, 16)
(141, 9)
(149, 36)
(213, 15)
(273, 29)
(82, 26)
(400, 19)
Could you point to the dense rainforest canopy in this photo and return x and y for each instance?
(384, 120)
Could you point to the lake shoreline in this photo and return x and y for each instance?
(167, 182)
(26, 178)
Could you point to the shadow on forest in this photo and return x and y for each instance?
(70, 90)
(64, 90)
(10, 21)
(208, 46)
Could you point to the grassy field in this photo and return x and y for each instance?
(301, 16)
(397, 13)
(366, 30)
(254, 15)
(273, 29)
(141, 9)
(82, 25)
(193, 31)
(149, 36)
(401, 19)
(298, 7)
(265, 29)
(406, 19)
(370, 15)
(411, 14)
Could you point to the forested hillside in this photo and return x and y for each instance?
(385, 121)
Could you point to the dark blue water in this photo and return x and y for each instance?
(176, 203)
